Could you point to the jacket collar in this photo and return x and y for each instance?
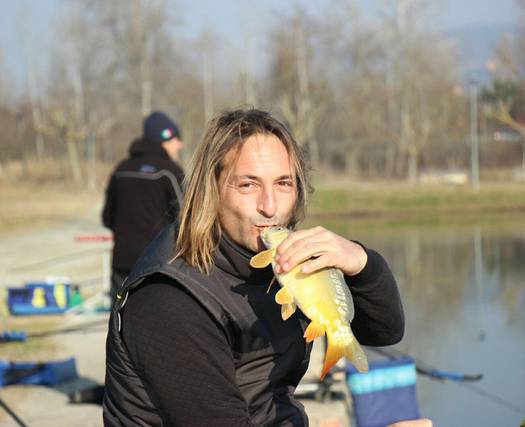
(235, 260)
(144, 147)
(229, 257)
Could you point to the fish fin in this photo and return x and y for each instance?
(313, 331)
(351, 349)
(355, 354)
(270, 285)
(262, 259)
(333, 354)
(287, 310)
(283, 296)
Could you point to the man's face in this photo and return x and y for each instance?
(173, 147)
(257, 190)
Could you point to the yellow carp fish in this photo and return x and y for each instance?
(323, 296)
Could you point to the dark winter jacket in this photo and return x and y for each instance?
(186, 349)
(143, 195)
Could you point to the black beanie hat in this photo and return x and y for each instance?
(159, 128)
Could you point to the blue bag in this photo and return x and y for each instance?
(384, 395)
(45, 373)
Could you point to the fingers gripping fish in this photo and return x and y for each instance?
(323, 296)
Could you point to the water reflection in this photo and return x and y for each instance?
(463, 290)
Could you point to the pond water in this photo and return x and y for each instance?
(463, 290)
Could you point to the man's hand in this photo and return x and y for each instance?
(422, 422)
(320, 248)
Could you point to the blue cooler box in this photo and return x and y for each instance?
(39, 298)
(384, 395)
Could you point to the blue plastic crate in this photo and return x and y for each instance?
(39, 298)
(384, 395)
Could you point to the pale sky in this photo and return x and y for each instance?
(232, 19)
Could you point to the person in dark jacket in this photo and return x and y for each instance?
(144, 193)
(196, 338)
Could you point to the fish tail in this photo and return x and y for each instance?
(355, 354)
(333, 354)
(349, 348)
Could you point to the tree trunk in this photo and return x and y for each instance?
(390, 160)
(207, 88)
(304, 105)
(33, 100)
(351, 164)
(412, 166)
(74, 163)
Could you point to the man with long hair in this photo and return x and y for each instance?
(196, 338)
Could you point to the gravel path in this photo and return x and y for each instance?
(53, 251)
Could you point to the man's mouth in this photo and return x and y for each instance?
(264, 227)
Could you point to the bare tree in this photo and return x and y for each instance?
(425, 74)
(5, 112)
(207, 46)
(114, 62)
(357, 56)
(505, 97)
(34, 99)
(390, 89)
(291, 67)
(363, 97)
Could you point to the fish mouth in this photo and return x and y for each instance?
(263, 231)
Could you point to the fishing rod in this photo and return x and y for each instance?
(77, 328)
(21, 336)
(424, 368)
(56, 260)
(12, 413)
(94, 281)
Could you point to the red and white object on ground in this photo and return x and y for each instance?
(91, 237)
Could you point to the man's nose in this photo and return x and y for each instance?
(267, 204)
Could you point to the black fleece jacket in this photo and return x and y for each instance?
(186, 361)
(143, 195)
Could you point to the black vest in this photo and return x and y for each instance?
(270, 354)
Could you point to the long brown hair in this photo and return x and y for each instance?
(200, 230)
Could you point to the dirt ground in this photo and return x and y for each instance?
(51, 250)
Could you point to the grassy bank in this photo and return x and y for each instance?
(32, 205)
(409, 202)
(24, 205)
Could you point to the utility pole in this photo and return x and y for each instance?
(474, 140)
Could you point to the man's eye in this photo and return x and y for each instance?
(246, 184)
(286, 183)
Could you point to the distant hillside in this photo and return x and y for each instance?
(475, 46)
